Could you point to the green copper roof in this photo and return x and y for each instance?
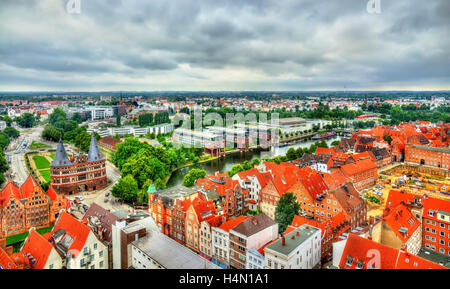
(151, 189)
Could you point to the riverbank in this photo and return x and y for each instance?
(225, 163)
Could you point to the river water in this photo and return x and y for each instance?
(224, 164)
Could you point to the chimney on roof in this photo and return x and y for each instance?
(298, 233)
(371, 220)
(255, 221)
(283, 241)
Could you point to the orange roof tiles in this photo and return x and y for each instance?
(335, 179)
(10, 189)
(39, 248)
(75, 229)
(355, 168)
(230, 224)
(401, 217)
(363, 156)
(29, 186)
(6, 262)
(325, 151)
(364, 252)
(51, 193)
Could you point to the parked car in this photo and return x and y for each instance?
(85, 207)
(107, 194)
(80, 198)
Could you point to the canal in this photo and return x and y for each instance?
(224, 164)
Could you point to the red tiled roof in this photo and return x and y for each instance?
(202, 207)
(366, 251)
(51, 193)
(10, 189)
(429, 203)
(363, 156)
(314, 184)
(230, 224)
(75, 229)
(359, 248)
(6, 262)
(409, 261)
(326, 151)
(39, 248)
(29, 187)
(401, 217)
(251, 172)
(338, 156)
(334, 179)
(355, 168)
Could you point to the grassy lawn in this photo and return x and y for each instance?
(45, 174)
(37, 145)
(41, 162)
(52, 156)
(19, 238)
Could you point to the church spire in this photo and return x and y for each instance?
(94, 152)
(61, 158)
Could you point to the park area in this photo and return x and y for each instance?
(40, 164)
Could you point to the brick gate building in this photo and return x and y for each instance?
(81, 173)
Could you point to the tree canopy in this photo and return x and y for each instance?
(285, 211)
(192, 176)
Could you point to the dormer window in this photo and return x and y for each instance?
(359, 264)
(349, 261)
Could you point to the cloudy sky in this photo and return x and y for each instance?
(224, 45)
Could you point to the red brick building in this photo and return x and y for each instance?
(434, 215)
(82, 173)
(438, 157)
(362, 174)
(232, 197)
(109, 143)
(28, 206)
(200, 210)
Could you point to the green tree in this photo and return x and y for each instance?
(126, 189)
(285, 211)
(56, 116)
(335, 143)
(127, 149)
(192, 176)
(387, 138)
(11, 132)
(27, 120)
(77, 117)
(236, 169)
(118, 122)
(291, 154)
(52, 133)
(256, 162)
(4, 141)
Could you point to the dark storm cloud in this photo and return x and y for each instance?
(224, 44)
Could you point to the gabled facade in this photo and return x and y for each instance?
(27, 207)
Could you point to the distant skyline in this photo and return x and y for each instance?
(224, 45)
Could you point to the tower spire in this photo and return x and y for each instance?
(94, 152)
(61, 158)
